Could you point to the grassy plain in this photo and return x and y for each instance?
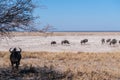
(63, 66)
(47, 65)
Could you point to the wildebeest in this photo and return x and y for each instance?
(15, 57)
(108, 40)
(53, 43)
(113, 42)
(103, 41)
(65, 42)
(84, 41)
(119, 41)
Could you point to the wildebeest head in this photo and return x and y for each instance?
(53, 42)
(113, 41)
(108, 40)
(103, 41)
(14, 50)
(15, 57)
(65, 42)
(84, 41)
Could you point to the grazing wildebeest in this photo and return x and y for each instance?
(53, 43)
(103, 41)
(113, 41)
(108, 40)
(15, 57)
(65, 42)
(84, 41)
(119, 41)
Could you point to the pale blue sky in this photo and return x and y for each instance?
(80, 15)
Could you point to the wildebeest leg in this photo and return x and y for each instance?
(17, 64)
(110, 43)
(62, 43)
(12, 64)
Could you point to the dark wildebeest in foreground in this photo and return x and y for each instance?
(84, 41)
(15, 57)
(53, 43)
(113, 42)
(65, 42)
(108, 40)
(103, 41)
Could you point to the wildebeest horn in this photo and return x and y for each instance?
(20, 49)
(10, 49)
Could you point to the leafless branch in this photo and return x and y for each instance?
(16, 15)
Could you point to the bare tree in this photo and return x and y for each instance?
(47, 30)
(16, 15)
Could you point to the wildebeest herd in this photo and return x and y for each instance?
(84, 41)
(15, 55)
(110, 41)
(66, 42)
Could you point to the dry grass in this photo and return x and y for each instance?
(63, 33)
(67, 66)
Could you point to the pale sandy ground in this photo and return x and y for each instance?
(42, 43)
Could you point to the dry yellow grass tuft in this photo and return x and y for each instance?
(77, 66)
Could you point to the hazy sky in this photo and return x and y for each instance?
(81, 15)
